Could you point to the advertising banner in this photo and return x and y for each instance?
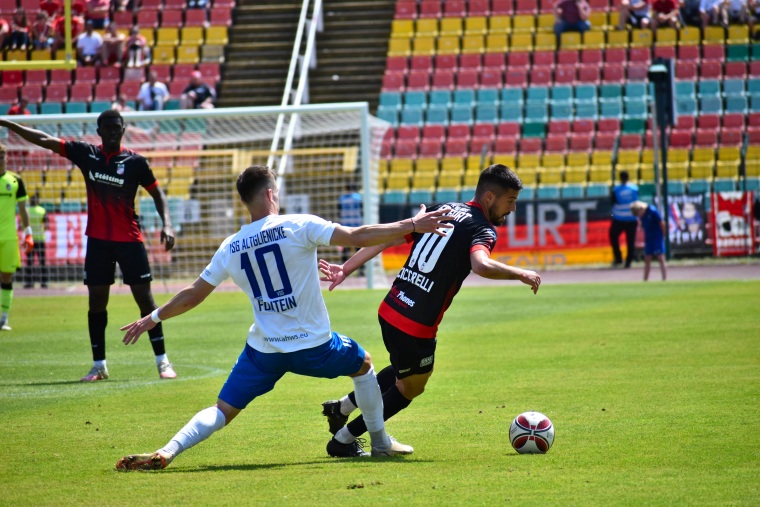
(733, 233)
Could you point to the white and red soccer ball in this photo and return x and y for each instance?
(531, 433)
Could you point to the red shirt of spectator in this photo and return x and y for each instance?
(98, 9)
(51, 7)
(664, 6)
(77, 26)
(18, 109)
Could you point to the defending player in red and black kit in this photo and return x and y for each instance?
(424, 289)
(112, 175)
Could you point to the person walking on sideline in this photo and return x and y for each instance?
(112, 174)
(13, 195)
(273, 260)
(654, 236)
(623, 220)
(424, 289)
(38, 220)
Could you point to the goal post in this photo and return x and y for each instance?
(195, 155)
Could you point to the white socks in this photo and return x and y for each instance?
(346, 405)
(161, 357)
(370, 401)
(200, 427)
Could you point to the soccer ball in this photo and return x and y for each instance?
(531, 433)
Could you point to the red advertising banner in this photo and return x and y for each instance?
(733, 233)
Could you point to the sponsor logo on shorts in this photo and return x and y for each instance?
(426, 361)
(404, 371)
(146, 275)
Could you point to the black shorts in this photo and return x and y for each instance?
(409, 355)
(102, 256)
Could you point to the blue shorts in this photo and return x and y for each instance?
(654, 247)
(255, 373)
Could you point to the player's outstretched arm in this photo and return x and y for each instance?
(185, 300)
(483, 265)
(167, 231)
(38, 137)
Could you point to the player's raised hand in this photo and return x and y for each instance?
(433, 221)
(532, 279)
(135, 329)
(331, 273)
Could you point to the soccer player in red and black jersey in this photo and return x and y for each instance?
(424, 289)
(112, 174)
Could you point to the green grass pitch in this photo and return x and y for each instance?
(654, 390)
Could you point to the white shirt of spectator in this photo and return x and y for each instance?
(89, 44)
(707, 5)
(159, 90)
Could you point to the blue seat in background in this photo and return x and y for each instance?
(415, 99)
(437, 114)
(390, 99)
(439, 98)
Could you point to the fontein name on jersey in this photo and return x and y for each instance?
(273, 260)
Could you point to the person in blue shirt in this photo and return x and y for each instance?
(350, 211)
(654, 235)
(623, 220)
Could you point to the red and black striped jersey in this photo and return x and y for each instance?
(111, 180)
(435, 269)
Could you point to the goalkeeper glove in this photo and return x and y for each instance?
(28, 240)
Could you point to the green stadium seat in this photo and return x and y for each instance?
(419, 196)
(572, 191)
(699, 186)
(171, 105)
(98, 106)
(610, 92)
(561, 94)
(197, 125)
(76, 107)
(755, 52)
(686, 89)
(395, 197)
(446, 195)
(737, 53)
(724, 185)
(676, 187)
(533, 129)
(547, 192)
(51, 108)
(633, 126)
(586, 111)
(753, 184)
(646, 191)
(597, 190)
(528, 193)
(709, 88)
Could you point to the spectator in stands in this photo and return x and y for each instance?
(51, 8)
(153, 94)
(19, 108)
(634, 13)
(197, 4)
(753, 14)
(572, 16)
(665, 13)
(43, 36)
(734, 12)
(690, 14)
(137, 51)
(98, 11)
(77, 26)
(5, 31)
(121, 104)
(197, 94)
(710, 10)
(19, 31)
(122, 5)
(89, 45)
(113, 46)
(38, 220)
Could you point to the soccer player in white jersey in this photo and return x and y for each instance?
(274, 261)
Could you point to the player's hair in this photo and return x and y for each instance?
(638, 206)
(253, 179)
(624, 176)
(109, 113)
(497, 178)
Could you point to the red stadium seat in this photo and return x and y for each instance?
(531, 145)
(124, 19)
(163, 72)
(210, 71)
(81, 92)
(454, 8)
(184, 71)
(405, 9)
(637, 72)
(418, 80)
(706, 139)
(686, 71)
(36, 77)
(471, 61)
(430, 148)
(132, 88)
(731, 138)
(608, 125)
(502, 8)
(680, 139)
(406, 148)
(667, 52)
(540, 76)
(392, 81)
(519, 59)
(733, 121)
(685, 123)
(220, 16)
(105, 91)
(558, 127)
(443, 80)
(84, 75)
(430, 9)
(754, 68)
(147, 18)
(711, 69)
(504, 145)
(583, 127)
(564, 74)
(543, 59)
(605, 141)
(735, 70)
(484, 130)
(708, 122)
(411, 132)
(630, 142)
(197, 17)
(526, 7)
(495, 61)
(108, 75)
(713, 52)
(63, 76)
(613, 73)
(150, 5)
(507, 129)
(516, 77)
(556, 144)
(56, 93)
(478, 8)
(446, 62)
(33, 93)
(434, 131)
(456, 147)
(568, 57)
(581, 142)
(612, 55)
(421, 63)
(591, 57)
(171, 18)
(396, 64)
(689, 54)
(490, 78)
(13, 78)
(588, 75)
(477, 144)
(639, 55)
(458, 131)
(467, 78)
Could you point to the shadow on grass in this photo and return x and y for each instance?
(264, 466)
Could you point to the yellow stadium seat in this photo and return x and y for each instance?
(217, 35)
(641, 38)
(452, 164)
(499, 24)
(552, 160)
(546, 42)
(576, 174)
(528, 175)
(523, 23)
(689, 36)
(604, 157)
(505, 159)
(752, 167)
(179, 187)
(629, 157)
(32, 180)
(167, 36)
(550, 175)
(16, 55)
(471, 178)
(426, 165)
(472, 44)
(401, 165)
(714, 35)
(701, 170)
(39, 54)
(678, 171)
(160, 172)
(738, 34)
(603, 173)
(450, 179)
(50, 194)
(423, 180)
(426, 27)
(56, 179)
(613, 20)
(448, 45)
(528, 160)
(397, 181)
(497, 43)
(423, 45)
(729, 158)
(212, 53)
(451, 26)
(546, 23)
(475, 25)
(399, 47)
(188, 54)
(163, 55)
(617, 39)
(192, 35)
(570, 40)
(598, 20)
(150, 35)
(476, 163)
(593, 39)
(577, 159)
(521, 41)
(403, 28)
(666, 37)
(183, 171)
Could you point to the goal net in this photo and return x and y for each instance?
(196, 155)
